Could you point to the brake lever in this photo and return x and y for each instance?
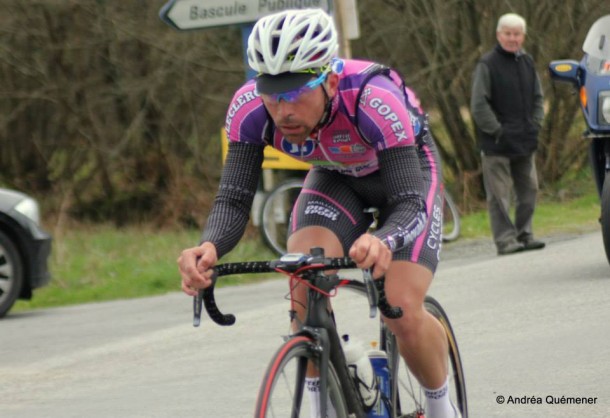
(197, 305)
(371, 292)
(389, 311)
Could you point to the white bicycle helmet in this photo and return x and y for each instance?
(292, 41)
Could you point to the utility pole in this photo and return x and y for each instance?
(345, 50)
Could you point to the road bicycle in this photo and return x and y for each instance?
(317, 343)
(277, 205)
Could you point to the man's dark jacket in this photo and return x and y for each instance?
(515, 102)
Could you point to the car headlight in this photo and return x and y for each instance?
(604, 108)
(29, 208)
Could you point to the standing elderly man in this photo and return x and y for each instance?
(507, 108)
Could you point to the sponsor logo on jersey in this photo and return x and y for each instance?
(385, 111)
(341, 136)
(348, 149)
(298, 150)
(365, 94)
(316, 207)
(435, 240)
(415, 123)
(237, 104)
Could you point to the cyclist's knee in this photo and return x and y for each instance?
(406, 286)
(409, 326)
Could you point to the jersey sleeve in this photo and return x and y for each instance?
(245, 126)
(246, 118)
(231, 210)
(401, 176)
(383, 117)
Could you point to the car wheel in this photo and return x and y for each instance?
(11, 273)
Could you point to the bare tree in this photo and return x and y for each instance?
(103, 104)
(108, 114)
(437, 44)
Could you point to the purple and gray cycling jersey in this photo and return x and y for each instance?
(384, 121)
(391, 141)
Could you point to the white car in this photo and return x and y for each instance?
(24, 249)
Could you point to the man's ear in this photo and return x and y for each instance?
(332, 84)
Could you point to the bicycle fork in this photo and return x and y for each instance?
(321, 347)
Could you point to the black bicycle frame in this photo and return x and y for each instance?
(319, 324)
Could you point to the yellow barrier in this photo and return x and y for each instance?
(274, 159)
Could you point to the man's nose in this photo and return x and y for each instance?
(285, 109)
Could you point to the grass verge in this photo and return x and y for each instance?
(100, 262)
(96, 263)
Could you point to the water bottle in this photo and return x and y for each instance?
(379, 361)
(361, 370)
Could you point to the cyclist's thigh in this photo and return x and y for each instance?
(327, 201)
(407, 283)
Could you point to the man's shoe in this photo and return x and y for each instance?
(513, 247)
(532, 244)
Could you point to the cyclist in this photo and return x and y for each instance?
(368, 140)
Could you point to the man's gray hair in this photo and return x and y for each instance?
(511, 20)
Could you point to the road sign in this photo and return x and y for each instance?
(198, 14)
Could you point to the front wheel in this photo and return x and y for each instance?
(283, 392)
(406, 394)
(605, 217)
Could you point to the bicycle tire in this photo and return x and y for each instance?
(605, 215)
(11, 273)
(451, 219)
(275, 214)
(406, 394)
(282, 391)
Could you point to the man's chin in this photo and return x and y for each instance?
(295, 137)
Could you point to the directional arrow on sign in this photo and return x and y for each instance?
(198, 14)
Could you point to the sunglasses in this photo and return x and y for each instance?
(292, 95)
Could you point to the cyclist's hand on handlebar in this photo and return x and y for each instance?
(369, 251)
(195, 266)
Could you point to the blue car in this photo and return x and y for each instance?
(24, 249)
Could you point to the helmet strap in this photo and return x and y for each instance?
(328, 104)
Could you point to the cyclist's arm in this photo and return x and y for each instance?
(386, 122)
(245, 127)
(231, 210)
(401, 176)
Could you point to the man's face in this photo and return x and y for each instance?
(510, 39)
(297, 119)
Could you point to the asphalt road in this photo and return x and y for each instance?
(532, 329)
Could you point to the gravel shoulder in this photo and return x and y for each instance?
(484, 248)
